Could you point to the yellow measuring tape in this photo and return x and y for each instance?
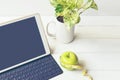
(85, 73)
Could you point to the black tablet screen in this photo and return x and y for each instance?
(19, 41)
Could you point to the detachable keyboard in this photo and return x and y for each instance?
(41, 69)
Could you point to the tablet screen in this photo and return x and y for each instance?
(20, 41)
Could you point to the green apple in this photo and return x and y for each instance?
(69, 61)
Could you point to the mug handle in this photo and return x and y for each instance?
(47, 30)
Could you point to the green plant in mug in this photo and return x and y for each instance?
(68, 11)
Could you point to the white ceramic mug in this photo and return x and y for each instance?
(62, 33)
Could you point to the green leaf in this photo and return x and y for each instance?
(79, 3)
(63, 13)
(59, 8)
(94, 6)
(74, 4)
(54, 2)
(87, 4)
(71, 18)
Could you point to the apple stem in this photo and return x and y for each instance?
(68, 55)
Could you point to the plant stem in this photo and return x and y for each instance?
(81, 11)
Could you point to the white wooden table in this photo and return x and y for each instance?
(97, 45)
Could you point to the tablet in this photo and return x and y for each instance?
(21, 41)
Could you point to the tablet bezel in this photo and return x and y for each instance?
(43, 37)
